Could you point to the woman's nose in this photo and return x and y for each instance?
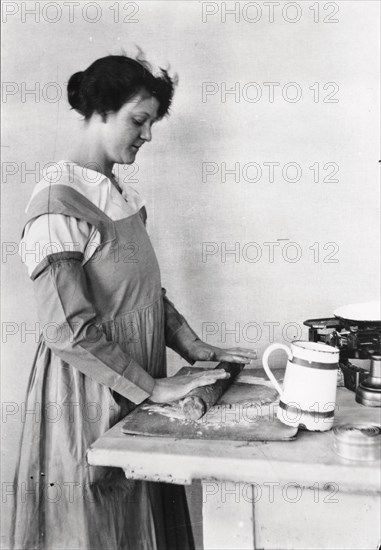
(146, 133)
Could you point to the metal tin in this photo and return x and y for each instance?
(357, 441)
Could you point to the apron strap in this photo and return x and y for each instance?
(63, 199)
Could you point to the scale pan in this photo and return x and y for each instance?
(364, 312)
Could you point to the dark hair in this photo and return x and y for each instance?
(111, 81)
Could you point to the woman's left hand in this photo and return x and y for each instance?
(201, 351)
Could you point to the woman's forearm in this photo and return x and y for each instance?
(63, 302)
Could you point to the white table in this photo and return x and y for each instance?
(276, 495)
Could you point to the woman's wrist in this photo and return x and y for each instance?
(201, 351)
(155, 389)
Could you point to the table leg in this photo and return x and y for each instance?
(228, 520)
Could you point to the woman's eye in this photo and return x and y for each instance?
(138, 122)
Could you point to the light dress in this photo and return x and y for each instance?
(105, 322)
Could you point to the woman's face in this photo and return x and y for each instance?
(126, 130)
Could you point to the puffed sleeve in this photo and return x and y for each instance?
(179, 336)
(63, 300)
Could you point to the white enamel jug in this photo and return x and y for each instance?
(308, 396)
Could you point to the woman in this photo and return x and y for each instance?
(106, 322)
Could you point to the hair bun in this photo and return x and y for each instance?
(111, 81)
(74, 90)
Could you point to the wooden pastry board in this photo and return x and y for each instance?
(246, 412)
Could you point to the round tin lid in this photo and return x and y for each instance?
(357, 441)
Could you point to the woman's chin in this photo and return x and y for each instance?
(129, 157)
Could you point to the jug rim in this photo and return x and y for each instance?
(315, 346)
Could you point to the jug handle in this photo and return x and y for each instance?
(266, 367)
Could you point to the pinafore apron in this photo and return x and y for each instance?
(62, 502)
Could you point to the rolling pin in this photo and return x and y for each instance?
(200, 400)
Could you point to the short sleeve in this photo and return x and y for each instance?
(55, 233)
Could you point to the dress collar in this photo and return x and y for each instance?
(89, 175)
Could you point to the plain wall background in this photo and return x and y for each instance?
(183, 210)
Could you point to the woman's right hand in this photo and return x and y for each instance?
(176, 387)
